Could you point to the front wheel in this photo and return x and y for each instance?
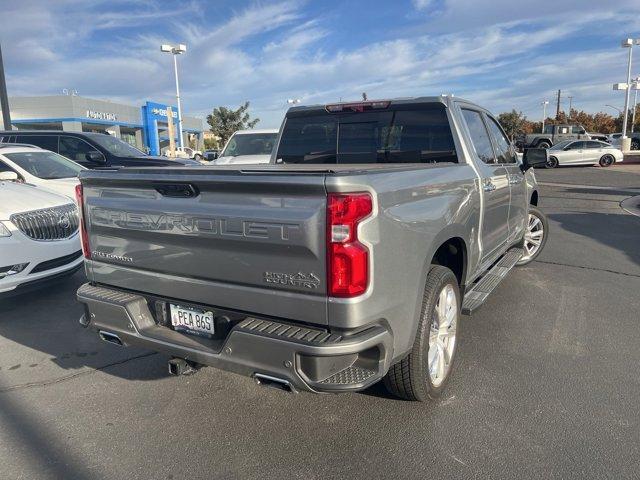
(552, 162)
(606, 160)
(543, 144)
(635, 144)
(535, 235)
(423, 374)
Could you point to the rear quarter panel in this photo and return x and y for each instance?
(415, 211)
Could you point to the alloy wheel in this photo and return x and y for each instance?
(533, 237)
(442, 336)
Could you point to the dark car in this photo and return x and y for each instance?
(91, 150)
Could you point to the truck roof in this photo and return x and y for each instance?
(443, 99)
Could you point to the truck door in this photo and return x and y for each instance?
(506, 155)
(494, 184)
(563, 132)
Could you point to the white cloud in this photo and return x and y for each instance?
(499, 53)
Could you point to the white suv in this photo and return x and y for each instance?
(41, 168)
(38, 236)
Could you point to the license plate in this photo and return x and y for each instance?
(191, 320)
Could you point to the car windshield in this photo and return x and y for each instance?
(250, 144)
(404, 134)
(117, 147)
(45, 165)
(561, 145)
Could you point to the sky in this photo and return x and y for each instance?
(502, 54)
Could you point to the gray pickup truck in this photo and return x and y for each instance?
(553, 134)
(350, 259)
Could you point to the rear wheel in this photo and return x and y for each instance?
(535, 235)
(635, 144)
(606, 160)
(552, 162)
(423, 374)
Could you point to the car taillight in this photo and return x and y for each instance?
(347, 257)
(84, 238)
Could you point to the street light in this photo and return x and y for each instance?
(544, 113)
(615, 108)
(626, 43)
(176, 50)
(636, 87)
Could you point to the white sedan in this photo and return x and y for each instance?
(38, 237)
(41, 168)
(583, 152)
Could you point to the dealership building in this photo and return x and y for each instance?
(145, 127)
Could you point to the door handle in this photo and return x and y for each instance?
(514, 180)
(488, 187)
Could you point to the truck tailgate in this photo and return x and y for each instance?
(254, 241)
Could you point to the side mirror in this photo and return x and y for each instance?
(534, 157)
(95, 157)
(8, 176)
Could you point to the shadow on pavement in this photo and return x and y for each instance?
(45, 451)
(618, 231)
(47, 321)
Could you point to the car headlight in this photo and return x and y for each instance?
(4, 231)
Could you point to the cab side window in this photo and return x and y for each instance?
(504, 152)
(48, 142)
(75, 148)
(479, 135)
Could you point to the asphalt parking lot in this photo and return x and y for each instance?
(547, 383)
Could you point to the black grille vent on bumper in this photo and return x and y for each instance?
(56, 262)
(48, 224)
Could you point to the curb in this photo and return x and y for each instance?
(631, 205)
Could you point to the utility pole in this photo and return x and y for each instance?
(558, 106)
(4, 99)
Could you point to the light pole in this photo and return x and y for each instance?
(636, 87)
(615, 108)
(544, 113)
(570, 106)
(627, 43)
(176, 50)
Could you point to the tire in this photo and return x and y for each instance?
(635, 144)
(551, 163)
(543, 144)
(410, 378)
(606, 160)
(198, 158)
(534, 212)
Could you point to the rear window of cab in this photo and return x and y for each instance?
(417, 133)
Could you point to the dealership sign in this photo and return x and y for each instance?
(112, 117)
(162, 112)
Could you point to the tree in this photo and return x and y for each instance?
(224, 122)
(513, 123)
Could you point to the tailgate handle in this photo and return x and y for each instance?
(179, 190)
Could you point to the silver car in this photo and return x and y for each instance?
(583, 152)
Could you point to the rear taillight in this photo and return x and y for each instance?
(84, 238)
(347, 257)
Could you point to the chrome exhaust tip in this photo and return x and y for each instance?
(110, 338)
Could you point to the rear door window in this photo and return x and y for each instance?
(395, 135)
(48, 142)
(479, 135)
(593, 145)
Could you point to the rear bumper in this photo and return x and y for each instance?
(308, 358)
